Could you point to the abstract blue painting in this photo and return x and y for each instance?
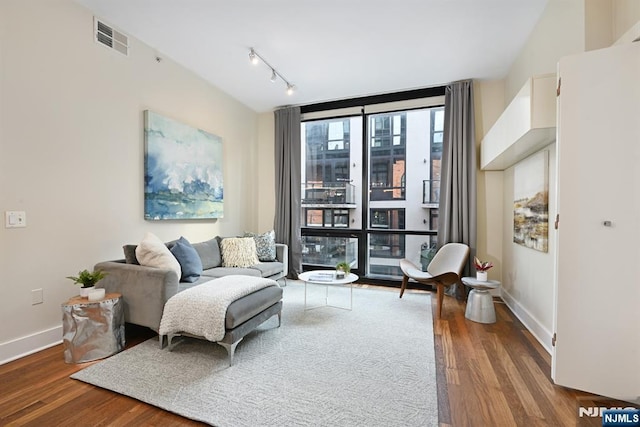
(182, 171)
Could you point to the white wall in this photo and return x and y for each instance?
(71, 156)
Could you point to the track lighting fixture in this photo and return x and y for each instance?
(255, 57)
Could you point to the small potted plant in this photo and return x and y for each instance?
(481, 268)
(342, 269)
(88, 280)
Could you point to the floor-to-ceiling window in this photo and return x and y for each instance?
(370, 189)
(330, 205)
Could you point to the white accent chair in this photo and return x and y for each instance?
(444, 269)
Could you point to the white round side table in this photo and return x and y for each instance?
(327, 278)
(480, 301)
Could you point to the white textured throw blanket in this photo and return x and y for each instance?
(201, 310)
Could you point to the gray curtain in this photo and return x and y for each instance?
(288, 176)
(457, 214)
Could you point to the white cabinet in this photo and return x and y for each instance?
(526, 125)
(597, 314)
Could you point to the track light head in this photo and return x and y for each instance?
(253, 57)
(290, 89)
(274, 76)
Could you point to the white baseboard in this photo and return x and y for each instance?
(24, 346)
(542, 334)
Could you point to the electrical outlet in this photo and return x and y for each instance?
(36, 297)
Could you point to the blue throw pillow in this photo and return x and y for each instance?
(188, 259)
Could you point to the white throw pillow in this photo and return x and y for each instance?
(239, 252)
(152, 252)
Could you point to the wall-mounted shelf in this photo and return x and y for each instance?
(526, 125)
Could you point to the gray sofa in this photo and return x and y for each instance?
(145, 290)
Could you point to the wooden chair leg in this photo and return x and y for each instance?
(440, 292)
(405, 280)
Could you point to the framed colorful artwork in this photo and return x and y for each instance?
(182, 171)
(531, 202)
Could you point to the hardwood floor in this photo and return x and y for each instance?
(499, 375)
(488, 375)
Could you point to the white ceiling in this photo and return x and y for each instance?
(329, 49)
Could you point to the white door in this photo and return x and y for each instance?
(598, 254)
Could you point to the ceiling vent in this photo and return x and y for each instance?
(113, 39)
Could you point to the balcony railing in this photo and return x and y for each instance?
(431, 192)
(382, 192)
(328, 251)
(328, 194)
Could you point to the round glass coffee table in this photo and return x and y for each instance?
(327, 278)
(480, 301)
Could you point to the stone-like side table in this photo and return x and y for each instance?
(92, 330)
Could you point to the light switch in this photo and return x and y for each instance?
(15, 219)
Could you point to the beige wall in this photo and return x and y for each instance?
(599, 23)
(488, 105)
(567, 27)
(71, 156)
(607, 21)
(559, 32)
(528, 275)
(266, 172)
(626, 13)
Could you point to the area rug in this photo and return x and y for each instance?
(372, 366)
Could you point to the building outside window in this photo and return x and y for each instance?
(370, 189)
